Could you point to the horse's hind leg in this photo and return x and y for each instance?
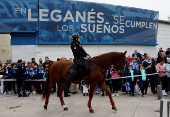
(60, 91)
(104, 87)
(92, 87)
(51, 85)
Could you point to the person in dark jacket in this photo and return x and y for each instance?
(142, 80)
(149, 65)
(32, 75)
(162, 56)
(13, 76)
(79, 53)
(26, 76)
(131, 80)
(136, 54)
(160, 51)
(20, 70)
(7, 84)
(168, 52)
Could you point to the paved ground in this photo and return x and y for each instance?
(33, 106)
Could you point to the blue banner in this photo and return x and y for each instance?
(15, 15)
(96, 23)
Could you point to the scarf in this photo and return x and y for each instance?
(132, 74)
(143, 73)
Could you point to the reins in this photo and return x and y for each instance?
(95, 64)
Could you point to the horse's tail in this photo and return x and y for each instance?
(45, 92)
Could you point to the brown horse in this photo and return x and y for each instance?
(58, 73)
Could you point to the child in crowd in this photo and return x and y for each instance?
(45, 76)
(7, 72)
(36, 69)
(31, 76)
(41, 72)
(131, 80)
(40, 76)
(46, 66)
(26, 75)
(161, 67)
(13, 76)
(129, 58)
(29, 64)
(37, 83)
(115, 82)
(33, 63)
(139, 62)
(142, 80)
(134, 64)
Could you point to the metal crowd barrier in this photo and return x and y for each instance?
(132, 76)
(3, 80)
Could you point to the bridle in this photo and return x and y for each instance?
(95, 64)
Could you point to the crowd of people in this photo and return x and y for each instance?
(138, 64)
(32, 77)
(144, 64)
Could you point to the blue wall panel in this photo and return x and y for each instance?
(23, 39)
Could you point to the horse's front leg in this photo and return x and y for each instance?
(60, 91)
(104, 87)
(92, 87)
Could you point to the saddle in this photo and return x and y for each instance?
(73, 72)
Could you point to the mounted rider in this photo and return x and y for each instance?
(79, 55)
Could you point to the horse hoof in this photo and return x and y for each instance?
(65, 109)
(114, 108)
(91, 111)
(45, 107)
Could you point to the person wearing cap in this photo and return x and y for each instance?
(20, 81)
(79, 55)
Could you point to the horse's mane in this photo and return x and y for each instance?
(106, 58)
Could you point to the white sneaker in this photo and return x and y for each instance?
(5, 93)
(9, 92)
(117, 94)
(162, 92)
(96, 92)
(165, 93)
(113, 94)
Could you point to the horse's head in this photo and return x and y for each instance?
(120, 64)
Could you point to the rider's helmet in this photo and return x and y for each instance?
(75, 37)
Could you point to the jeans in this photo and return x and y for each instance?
(132, 88)
(142, 87)
(164, 81)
